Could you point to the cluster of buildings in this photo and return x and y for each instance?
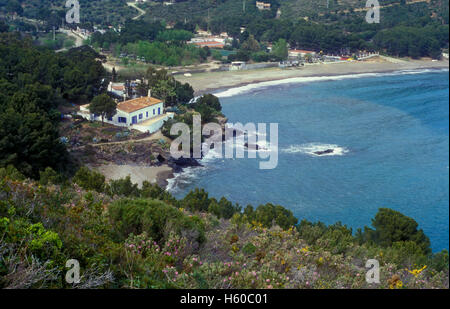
(205, 38)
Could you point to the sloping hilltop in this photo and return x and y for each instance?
(106, 12)
(291, 9)
(125, 237)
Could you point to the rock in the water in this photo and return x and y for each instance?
(328, 151)
(251, 146)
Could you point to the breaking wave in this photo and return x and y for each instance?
(317, 149)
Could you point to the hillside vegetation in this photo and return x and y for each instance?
(125, 237)
(407, 28)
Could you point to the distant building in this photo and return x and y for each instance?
(296, 53)
(210, 41)
(278, 13)
(328, 58)
(203, 32)
(263, 5)
(237, 65)
(210, 44)
(145, 114)
(118, 89)
(170, 25)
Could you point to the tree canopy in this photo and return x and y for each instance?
(104, 106)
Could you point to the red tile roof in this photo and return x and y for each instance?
(137, 104)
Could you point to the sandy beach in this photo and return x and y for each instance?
(138, 174)
(210, 81)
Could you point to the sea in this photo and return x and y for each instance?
(389, 133)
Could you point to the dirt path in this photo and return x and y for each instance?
(137, 173)
(141, 11)
(154, 137)
(78, 39)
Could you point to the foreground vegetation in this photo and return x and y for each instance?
(126, 237)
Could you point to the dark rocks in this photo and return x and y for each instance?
(160, 158)
(320, 153)
(180, 163)
(251, 146)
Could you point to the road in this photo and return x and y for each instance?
(78, 39)
(141, 11)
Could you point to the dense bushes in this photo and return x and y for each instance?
(33, 81)
(155, 218)
(147, 243)
(394, 233)
(412, 41)
(89, 180)
(269, 215)
(391, 227)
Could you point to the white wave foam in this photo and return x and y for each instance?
(295, 80)
(312, 149)
(185, 177)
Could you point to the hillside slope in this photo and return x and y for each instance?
(124, 237)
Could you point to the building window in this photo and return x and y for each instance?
(109, 118)
(140, 116)
(154, 111)
(159, 110)
(146, 114)
(122, 120)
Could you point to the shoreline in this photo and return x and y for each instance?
(222, 81)
(206, 82)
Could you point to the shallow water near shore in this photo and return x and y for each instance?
(390, 139)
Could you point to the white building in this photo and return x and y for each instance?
(145, 114)
(117, 88)
(296, 53)
(263, 5)
(237, 65)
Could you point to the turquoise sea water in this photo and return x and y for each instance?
(390, 133)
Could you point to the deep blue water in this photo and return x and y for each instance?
(393, 131)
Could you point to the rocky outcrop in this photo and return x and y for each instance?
(324, 152)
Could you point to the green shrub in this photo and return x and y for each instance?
(11, 172)
(154, 191)
(122, 187)
(49, 176)
(440, 262)
(223, 208)
(249, 248)
(196, 200)
(41, 242)
(153, 217)
(392, 226)
(270, 214)
(89, 180)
